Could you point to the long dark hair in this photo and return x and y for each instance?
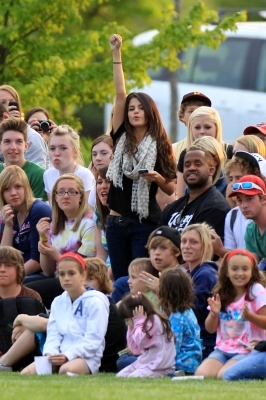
(175, 291)
(225, 288)
(103, 210)
(165, 155)
(131, 301)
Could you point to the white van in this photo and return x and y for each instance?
(233, 77)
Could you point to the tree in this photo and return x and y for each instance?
(53, 61)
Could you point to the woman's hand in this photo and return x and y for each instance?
(57, 359)
(52, 125)
(152, 176)
(48, 250)
(34, 124)
(150, 281)
(215, 305)
(13, 111)
(115, 42)
(8, 215)
(43, 227)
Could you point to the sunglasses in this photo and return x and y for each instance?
(246, 185)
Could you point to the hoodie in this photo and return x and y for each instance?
(204, 277)
(78, 329)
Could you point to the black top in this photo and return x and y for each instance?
(210, 207)
(119, 200)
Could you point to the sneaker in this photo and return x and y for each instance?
(3, 368)
(179, 373)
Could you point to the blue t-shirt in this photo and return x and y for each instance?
(25, 238)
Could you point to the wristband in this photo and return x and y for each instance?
(117, 62)
(43, 239)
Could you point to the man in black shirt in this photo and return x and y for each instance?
(203, 203)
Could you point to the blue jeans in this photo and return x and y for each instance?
(125, 243)
(120, 288)
(253, 366)
(125, 360)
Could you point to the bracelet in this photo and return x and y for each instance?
(117, 62)
(43, 239)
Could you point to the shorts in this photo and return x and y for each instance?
(224, 357)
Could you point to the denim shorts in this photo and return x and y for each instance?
(224, 357)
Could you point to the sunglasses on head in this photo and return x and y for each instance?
(246, 185)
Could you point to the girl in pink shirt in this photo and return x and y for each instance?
(237, 312)
(149, 334)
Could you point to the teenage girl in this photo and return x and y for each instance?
(143, 161)
(77, 323)
(115, 339)
(149, 334)
(182, 319)
(196, 249)
(65, 156)
(237, 311)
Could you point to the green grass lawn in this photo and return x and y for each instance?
(107, 387)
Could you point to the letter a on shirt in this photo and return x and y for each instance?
(79, 309)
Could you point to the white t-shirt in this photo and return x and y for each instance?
(52, 174)
(234, 239)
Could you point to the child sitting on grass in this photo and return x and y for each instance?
(149, 334)
(177, 299)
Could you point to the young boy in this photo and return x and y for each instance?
(235, 222)
(189, 103)
(13, 144)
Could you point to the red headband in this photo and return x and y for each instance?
(242, 253)
(76, 257)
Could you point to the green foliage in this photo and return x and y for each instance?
(85, 146)
(53, 60)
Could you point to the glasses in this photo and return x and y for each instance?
(70, 192)
(247, 185)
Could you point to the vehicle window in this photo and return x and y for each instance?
(222, 67)
(260, 83)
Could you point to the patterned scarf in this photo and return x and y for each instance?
(122, 163)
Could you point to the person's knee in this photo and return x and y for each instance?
(229, 375)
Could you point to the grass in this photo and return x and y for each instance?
(107, 387)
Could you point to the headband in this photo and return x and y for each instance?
(75, 256)
(240, 252)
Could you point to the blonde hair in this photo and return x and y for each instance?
(58, 216)
(142, 264)
(253, 143)
(8, 176)
(213, 147)
(14, 94)
(97, 269)
(66, 130)
(214, 116)
(204, 231)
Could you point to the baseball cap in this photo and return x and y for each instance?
(249, 185)
(254, 158)
(197, 96)
(169, 233)
(256, 128)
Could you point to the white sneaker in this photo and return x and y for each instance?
(3, 368)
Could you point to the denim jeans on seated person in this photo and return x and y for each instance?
(253, 366)
(125, 360)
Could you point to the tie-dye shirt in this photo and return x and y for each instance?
(234, 327)
(188, 346)
(81, 241)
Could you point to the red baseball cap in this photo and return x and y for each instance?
(261, 128)
(197, 96)
(249, 185)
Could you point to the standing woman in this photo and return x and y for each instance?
(143, 161)
(65, 156)
(21, 212)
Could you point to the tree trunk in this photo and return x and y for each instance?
(174, 93)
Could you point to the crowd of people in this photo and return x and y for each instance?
(150, 260)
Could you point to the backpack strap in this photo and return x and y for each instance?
(233, 219)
